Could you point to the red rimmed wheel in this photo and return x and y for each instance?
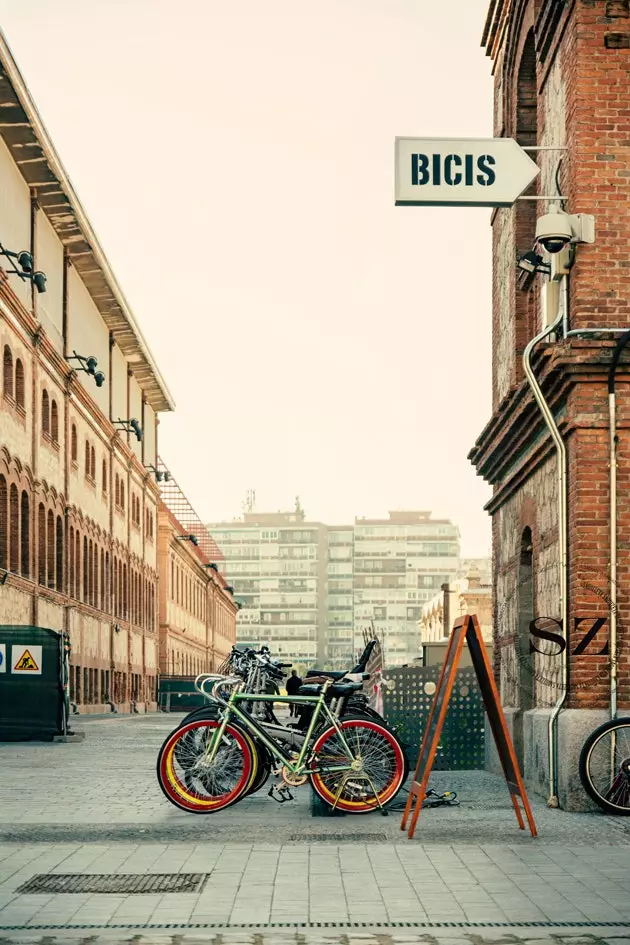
(379, 772)
(193, 783)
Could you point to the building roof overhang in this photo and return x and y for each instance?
(30, 145)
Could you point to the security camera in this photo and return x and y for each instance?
(556, 230)
(137, 429)
(99, 378)
(553, 231)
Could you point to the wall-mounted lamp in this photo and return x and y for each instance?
(191, 538)
(24, 267)
(117, 628)
(88, 365)
(213, 566)
(161, 475)
(229, 588)
(131, 426)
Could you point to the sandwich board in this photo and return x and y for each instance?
(466, 629)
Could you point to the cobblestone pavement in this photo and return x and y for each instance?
(95, 807)
(327, 937)
(105, 788)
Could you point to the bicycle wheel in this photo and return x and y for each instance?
(380, 766)
(605, 766)
(184, 749)
(193, 783)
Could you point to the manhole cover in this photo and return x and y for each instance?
(121, 883)
(339, 837)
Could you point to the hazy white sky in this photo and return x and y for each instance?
(236, 158)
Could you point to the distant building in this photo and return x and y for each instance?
(466, 595)
(277, 564)
(197, 610)
(309, 590)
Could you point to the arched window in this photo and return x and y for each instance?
(54, 422)
(20, 386)
(77, 562)
(122, 495)
(7, 372)
(74, 449)
(102, 597)
(59, 553)
(525, 616)
(25, 537)
(71, 563)
(90, 570)
(14, 519)
(86, 571)
(4, 524)
(107, 585)
(45, 413)
(117, 490)
(41, 544)
(93, 463)
(124, 592)
(104, 477)
(50, 549)
(87, 459)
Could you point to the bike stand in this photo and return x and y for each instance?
(356, 777)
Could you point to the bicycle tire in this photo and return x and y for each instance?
(181, 794)
(595, 773)
(357, 797)
(211, 711)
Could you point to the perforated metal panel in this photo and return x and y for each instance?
(407, 697)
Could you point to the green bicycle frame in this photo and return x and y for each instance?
(295, 766)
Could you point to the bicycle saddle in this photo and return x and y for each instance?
(328, 673)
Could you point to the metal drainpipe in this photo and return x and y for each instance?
(562, 538)
(612, 414)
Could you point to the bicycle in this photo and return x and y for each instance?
(605, 766)
(353, 763)
(260, 673)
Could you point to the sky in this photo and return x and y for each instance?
(236, 159)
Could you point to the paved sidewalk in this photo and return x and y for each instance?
(310, 883)
(105, 788)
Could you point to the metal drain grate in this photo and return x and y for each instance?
(339, 837)
(116, 883)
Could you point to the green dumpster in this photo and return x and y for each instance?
(33, 683)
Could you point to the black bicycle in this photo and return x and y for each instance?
(605, 766)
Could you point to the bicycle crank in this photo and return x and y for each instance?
(292, 779)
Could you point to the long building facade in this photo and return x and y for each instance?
(78, 499)
(311, 590)
(560, 553)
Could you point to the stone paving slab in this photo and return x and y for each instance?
(372, 883)
(105, 788)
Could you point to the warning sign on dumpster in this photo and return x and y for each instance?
(26, 659)
(3, 657)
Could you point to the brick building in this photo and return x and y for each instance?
(562, 72)
(197, 607)
(78, 505)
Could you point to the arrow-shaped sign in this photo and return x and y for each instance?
(461, 172)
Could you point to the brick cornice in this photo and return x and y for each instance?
(515, 442)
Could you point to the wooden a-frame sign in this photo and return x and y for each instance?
(466, 629)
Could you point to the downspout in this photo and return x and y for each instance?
(562, 543)
(612, 413)
(613, 439)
